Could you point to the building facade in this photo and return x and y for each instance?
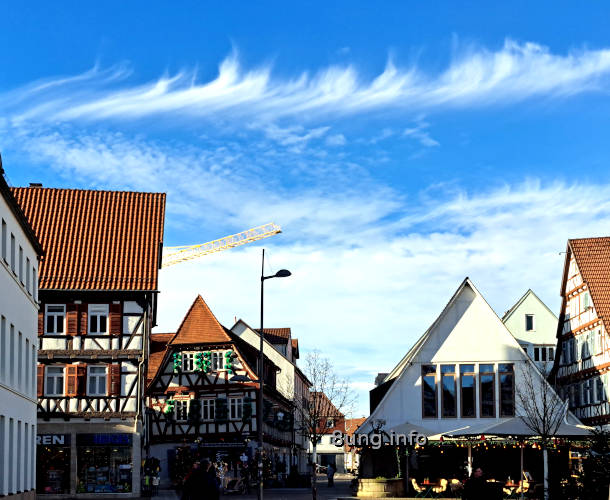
(203, 383)
(534, 326)
(283, 351)
(19, 257)
(465, 372)
(582, 369)
(98, 300)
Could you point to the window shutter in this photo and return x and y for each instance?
(82, 317)
(116, 322)
(114, 380)
(71, 380)
(81, 374)
(72, 319)
(40, 386)
(41, 321)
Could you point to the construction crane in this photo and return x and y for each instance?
(175, 255)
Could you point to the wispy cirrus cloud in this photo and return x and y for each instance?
(476, 76)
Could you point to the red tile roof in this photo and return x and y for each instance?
(96, 240)
(276, 335)
(158, 347)
(200, 326)
(593, 259)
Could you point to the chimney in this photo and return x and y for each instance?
(35, 184)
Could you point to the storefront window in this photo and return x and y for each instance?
(104, 463)
(53, 464)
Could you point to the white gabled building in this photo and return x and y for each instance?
(463, 372)
(534, 326)
(19, 254)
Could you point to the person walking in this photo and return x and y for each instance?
(476, 487)
(211, 483)
(193, 483)
(330, 474)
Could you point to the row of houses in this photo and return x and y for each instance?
(90, 398)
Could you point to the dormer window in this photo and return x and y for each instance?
(217, 360)
(188, 360)
(529, 323)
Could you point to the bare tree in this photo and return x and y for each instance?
(330, 399)
(543, 410)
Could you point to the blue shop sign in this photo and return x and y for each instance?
(103, 439)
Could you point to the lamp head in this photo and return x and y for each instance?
(282, 273)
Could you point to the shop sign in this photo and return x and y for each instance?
(53, 439)
(222, 445)
(103, 439)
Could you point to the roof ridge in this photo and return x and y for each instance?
(195, 333)
(87, 190)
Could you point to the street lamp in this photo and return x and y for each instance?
(282, 273)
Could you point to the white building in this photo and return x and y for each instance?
(19, 254)
(463, 372)
(283, 351)
(534, 326)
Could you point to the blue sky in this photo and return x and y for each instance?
(401, 148)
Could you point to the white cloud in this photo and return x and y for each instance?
(475, 77)
(421, 135)
(336, 140)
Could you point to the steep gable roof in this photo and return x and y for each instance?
(158, 348)
(510, 312)
(276, 335)
(593, 260)
(96, 240)
(200, 326)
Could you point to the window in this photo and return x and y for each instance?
(207, 408)
(586, 301)
(27, 275)
(599, 390)
(551, 356)
(55, 318)
(330, 423)
(543, 352)
(54, 383)
(21, 264)
(98, 319)
(97, 381)
(529, 322)
(563, 356)
(235, 408)
(181, 410)
(487, 384)
(536, 353)
(34, 284)
(13, 253)
(217, 360)
(467, 384)
(507, 390)
(428, 375)
(449, 396)
(188, 360)
(4, 240)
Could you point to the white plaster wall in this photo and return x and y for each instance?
(17, 363)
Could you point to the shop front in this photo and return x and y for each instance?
(53, 455)
(104, 463)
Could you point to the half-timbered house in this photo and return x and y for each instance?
(582, 368)
(203, 382)
(97, 291)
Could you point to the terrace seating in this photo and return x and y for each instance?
(418, 489)
(456, 487)
(441, 488)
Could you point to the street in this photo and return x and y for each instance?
(341, 489)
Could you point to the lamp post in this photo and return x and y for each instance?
(282, 273)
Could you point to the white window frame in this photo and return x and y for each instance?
(236, 408)
(208, 405)
(48, 376)
(533, 323)
(215, 356)
(188, 358)
(181, 406)
(55, 314)
(99, 375)
(98, 310)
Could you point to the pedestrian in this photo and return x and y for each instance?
(211, 483)
(330, 474)
(476, 487)
(193, 482)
